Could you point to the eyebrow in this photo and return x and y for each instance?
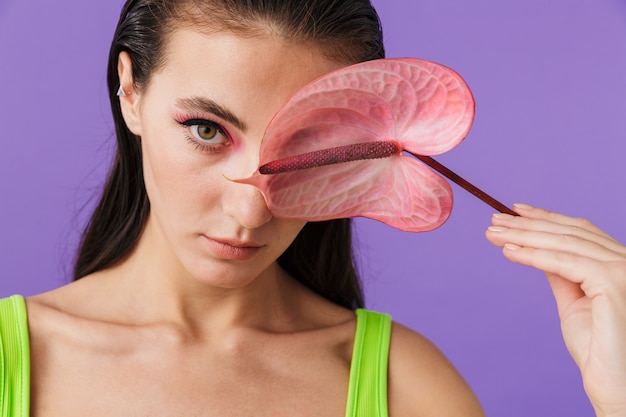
(205, 105)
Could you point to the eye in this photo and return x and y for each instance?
(205, 135)
(204, 132)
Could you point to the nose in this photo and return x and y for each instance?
(245, 204)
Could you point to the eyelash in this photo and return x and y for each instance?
(189, 122)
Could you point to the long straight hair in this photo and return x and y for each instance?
(347, 31)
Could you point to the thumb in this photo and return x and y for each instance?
(565, 292)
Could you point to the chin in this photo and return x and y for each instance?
(228, 275)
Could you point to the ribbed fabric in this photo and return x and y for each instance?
(367, 394)
(14, 358)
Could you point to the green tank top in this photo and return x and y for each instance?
(14, 358)
(367, 393)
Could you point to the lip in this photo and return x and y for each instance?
(232, 250)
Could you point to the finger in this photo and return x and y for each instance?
(513, 222)
(595, 278)
(575, 245)
(538, 213)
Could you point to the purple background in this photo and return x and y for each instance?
(549, 77)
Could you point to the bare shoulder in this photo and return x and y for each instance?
(66, 314)
(49, 320)
(55, 304)
(423, 382)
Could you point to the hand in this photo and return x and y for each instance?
(586, 269)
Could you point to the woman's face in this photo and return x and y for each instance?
(201, 119)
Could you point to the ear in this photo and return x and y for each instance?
(130, 101)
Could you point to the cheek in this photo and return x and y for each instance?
(289, 231)
(173, 175)
(163, 167)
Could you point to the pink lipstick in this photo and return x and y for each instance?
(232, 250)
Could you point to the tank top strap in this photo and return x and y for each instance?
(14, 358)
(367, 393)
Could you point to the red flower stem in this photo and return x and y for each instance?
(477, 192)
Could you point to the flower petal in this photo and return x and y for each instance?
(399, 191)
(424, 106)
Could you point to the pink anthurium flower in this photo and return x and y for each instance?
(340, 146)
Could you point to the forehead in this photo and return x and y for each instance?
(252, 75)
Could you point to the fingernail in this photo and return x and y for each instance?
(502, 216)
(511, 246)
(522, 206)
(497, 229)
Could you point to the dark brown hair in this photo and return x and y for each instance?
(347, 31)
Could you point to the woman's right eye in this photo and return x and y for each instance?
(205, 134)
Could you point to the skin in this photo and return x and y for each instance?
(586, 269)
(191, 324)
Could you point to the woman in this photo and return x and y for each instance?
(191, 299)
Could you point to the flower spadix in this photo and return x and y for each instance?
(335, 149)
